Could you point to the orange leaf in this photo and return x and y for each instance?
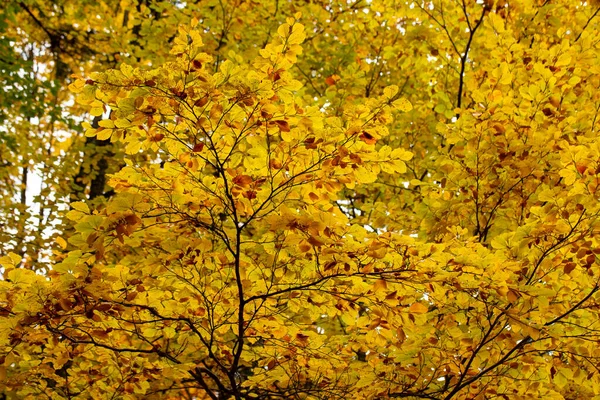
(332, 80)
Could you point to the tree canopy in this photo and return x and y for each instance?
(312, 199)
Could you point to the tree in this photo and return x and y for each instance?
(317, 200)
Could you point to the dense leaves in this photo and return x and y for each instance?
(311, 200)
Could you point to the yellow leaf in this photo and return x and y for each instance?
(106, 123)
(402, 154)
(297, 36)
(390, 91)
(563, 60)
(61, 242)
(104, 134)
(77, 86)
(283, 30)
(122, 123)
(365, 175)
(402, 104)
(75, 215)
(10, 260)
(379, 285)
(96, 111)
(80, 206)
(20, 275)
(418, 308)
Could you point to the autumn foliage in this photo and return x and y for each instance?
(300, 200)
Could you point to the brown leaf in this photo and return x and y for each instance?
(157, 138)
(283, 125)
(275, 164)
(103, 307)
(65, 304)
(92, 238)
(243, 180)
(499, 128)
(548, 112)
(201, 102)
(133, 220)
(315, 241)
(304, 246)
(329, 265)
(99, 333)
(391, 295)
(198, 147)
(367, 138)
(303, 339)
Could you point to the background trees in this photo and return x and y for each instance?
(299, 200)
